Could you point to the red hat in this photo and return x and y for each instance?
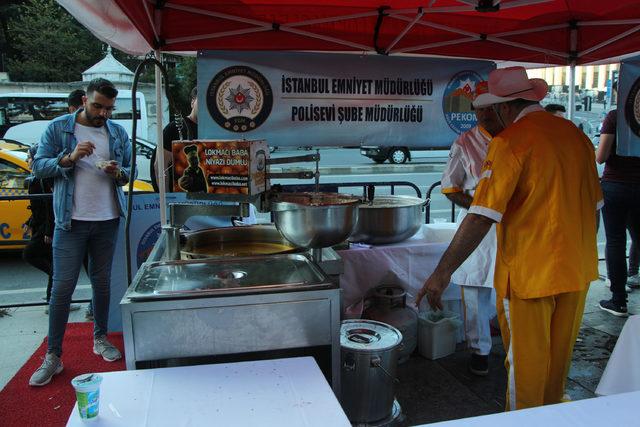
(507, 84)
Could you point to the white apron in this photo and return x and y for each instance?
(462, 174)
(479, 268)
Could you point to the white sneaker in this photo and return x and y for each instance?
(104, 348)
(51, 365)
(633, 282)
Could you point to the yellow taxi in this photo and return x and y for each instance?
(12, 145)
(14, 171)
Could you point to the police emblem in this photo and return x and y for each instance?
(239, 99)
(632, 108)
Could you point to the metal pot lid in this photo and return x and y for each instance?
(381, 202)
(368, 335)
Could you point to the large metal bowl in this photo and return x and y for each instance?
(315, 220)
(388, 219)
(235, 241)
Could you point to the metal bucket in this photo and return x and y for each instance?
(369, 352)
(390, 306)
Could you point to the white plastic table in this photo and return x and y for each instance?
(266, 393)
(622, 373)
(597, 412)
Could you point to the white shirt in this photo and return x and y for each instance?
(530, 109)
(465, 161)
(94, 197)
(462, 174)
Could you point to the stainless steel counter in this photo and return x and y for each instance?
(182, 310)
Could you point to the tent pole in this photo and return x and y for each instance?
(159, 145)
(572, 89)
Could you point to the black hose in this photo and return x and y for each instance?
(134, 107)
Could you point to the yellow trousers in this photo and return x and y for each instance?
(538, 336)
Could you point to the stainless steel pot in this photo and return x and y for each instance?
(315, 220)
(388, 219)
(369, 351)
(235, 241)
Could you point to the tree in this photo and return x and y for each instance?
(46, 44)
(182, 78)
(49, 44)
(7, 11)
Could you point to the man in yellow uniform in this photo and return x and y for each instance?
(540, 184)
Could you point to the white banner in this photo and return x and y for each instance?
(294, 99)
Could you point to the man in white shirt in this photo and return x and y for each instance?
(475, 275)
(88, 156)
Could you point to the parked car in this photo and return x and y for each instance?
(12, 145)
(14, 171)
(379, 154)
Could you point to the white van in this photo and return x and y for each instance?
(25, 116)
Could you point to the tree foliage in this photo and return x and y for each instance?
(182, 78)
(50, 45)
(44, 43)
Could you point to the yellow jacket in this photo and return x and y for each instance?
(540, 183)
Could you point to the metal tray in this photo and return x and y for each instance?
(224, 277)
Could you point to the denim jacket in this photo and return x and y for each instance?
(58, 141)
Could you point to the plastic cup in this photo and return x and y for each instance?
(87, 388)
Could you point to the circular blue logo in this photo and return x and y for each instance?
(145, 245)
(456, 101)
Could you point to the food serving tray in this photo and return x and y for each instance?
(229, 276)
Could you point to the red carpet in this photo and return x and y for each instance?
(51, 405)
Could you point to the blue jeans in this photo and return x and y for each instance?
(621, 201)
(98, 240)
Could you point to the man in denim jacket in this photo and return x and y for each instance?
(88, 156)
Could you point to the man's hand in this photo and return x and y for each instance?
(83, 149)
(433, 288)
(469, 235)
(48, 240)
(112, 168)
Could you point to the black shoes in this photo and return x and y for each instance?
(609, 306)
(479, 365)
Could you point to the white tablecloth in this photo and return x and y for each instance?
(622, 373)
(618, 410)
(258, 393)
(409, 263)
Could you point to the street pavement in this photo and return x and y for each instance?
(428, 390)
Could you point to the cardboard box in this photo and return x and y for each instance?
(220, 166)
